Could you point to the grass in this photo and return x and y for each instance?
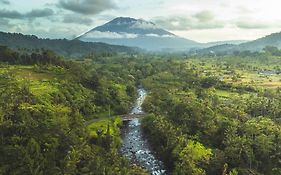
(247, 76)
(40, 84)
(29, 74)
(41, 88)
(257, 80)
(225, 94)
(102, 127)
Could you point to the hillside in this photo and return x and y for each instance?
(43, 111)
(64, 47)
(255, 45)
(273, 39)
(223, 49)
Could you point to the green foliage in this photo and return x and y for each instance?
(106, 132)
(43, 111)
(63, 47)
(272, 50)
(218, 115)
(187, 155)
(193, 154)
(238, 121)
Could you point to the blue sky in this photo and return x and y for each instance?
(200, 20)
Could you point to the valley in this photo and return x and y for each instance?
(111, 87)
(201, 114)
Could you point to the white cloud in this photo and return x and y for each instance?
(152, 35)
(168, 36)
(199, 21)
(109, 35)
(87, 7)
(162, 36)
(246, 23)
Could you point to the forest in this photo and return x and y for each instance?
(205, 114)
(63, 47)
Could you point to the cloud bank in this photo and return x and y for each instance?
(77, 19)
(110, 35)
(35, 13)
(254, 24)
(5, 2)
(87, 7)
(200, 20)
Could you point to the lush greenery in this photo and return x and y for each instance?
(45, 107)
(209, 120)
(206, 114)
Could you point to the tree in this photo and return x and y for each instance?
(272, 50)
(191, 157)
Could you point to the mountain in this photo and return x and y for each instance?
(273, 39)
(257, 45)
(217, 43)
(218, 49)
(64, 47)
(132, 26)
(137, 33)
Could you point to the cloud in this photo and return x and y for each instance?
(10, 14)
(77, 19)
(7, 26)
(88, 7)
(244, 10)
(204, 16)
(152, 35)
(36, 13)
(109, 35)
(161, 36)
(5, 2)
(4, 23)
(254, 24)
(115, 35)
(201, 20)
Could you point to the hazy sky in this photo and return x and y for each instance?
(199, 20)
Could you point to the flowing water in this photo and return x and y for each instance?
(135, 146)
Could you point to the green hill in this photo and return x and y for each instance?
(64, 47)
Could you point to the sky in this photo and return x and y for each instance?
(199, 20)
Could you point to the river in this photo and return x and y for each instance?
(135, 146)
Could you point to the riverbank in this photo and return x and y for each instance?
(135, 146)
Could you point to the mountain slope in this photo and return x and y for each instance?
(273, 39)
(137, 33)
(257, 45)
(217, 43)
(64, 47)
(223, 48)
